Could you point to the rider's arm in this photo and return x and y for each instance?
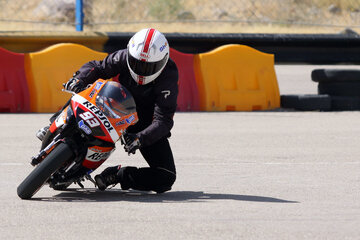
(107, 68)
(165, 107)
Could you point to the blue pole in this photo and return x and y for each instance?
(79, 15)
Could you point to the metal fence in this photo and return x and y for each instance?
(236, 16)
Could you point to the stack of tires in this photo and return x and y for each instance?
(338, 90)
(343, 86)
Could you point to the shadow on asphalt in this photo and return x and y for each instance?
(94, 195)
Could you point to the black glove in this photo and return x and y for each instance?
(130, 141)
(75, 85)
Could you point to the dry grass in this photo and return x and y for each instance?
(221, 28)
(230, 16)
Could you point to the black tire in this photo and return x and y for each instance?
(339, 88)
(345, 103)
(36, 179)
(335, 75)
(306, 102)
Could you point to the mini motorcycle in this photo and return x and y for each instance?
(81, 137)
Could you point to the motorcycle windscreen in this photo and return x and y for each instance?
(115, 101)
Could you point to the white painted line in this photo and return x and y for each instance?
(308, 163)
(11, 164)
(267, 163)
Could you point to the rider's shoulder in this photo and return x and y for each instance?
(119, 55)
(170, 72)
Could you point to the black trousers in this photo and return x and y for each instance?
(158, 177)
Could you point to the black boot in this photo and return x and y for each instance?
(107, 177)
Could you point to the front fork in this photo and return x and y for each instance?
(35, 160)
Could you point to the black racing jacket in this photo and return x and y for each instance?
(155, 101)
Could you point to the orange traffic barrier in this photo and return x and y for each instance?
(188, 97)
(14, 92)
(48, 69)
(236, 78)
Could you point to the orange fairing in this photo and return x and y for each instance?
(119, 121)
(59, 121)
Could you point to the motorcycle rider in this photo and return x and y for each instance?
(146, 70)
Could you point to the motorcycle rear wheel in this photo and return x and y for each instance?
(36, 179)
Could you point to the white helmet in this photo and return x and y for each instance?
(148, 53)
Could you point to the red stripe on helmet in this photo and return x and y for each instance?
(148, 39)
(141, 80)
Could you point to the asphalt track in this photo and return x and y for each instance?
(241, 175)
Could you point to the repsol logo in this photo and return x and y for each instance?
(99, 114)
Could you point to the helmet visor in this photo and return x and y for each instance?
(143, 68)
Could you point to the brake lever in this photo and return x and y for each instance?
(64, 90)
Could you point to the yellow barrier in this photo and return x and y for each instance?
(236, 78)
(48, 69)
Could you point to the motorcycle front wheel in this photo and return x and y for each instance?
(36, 179)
